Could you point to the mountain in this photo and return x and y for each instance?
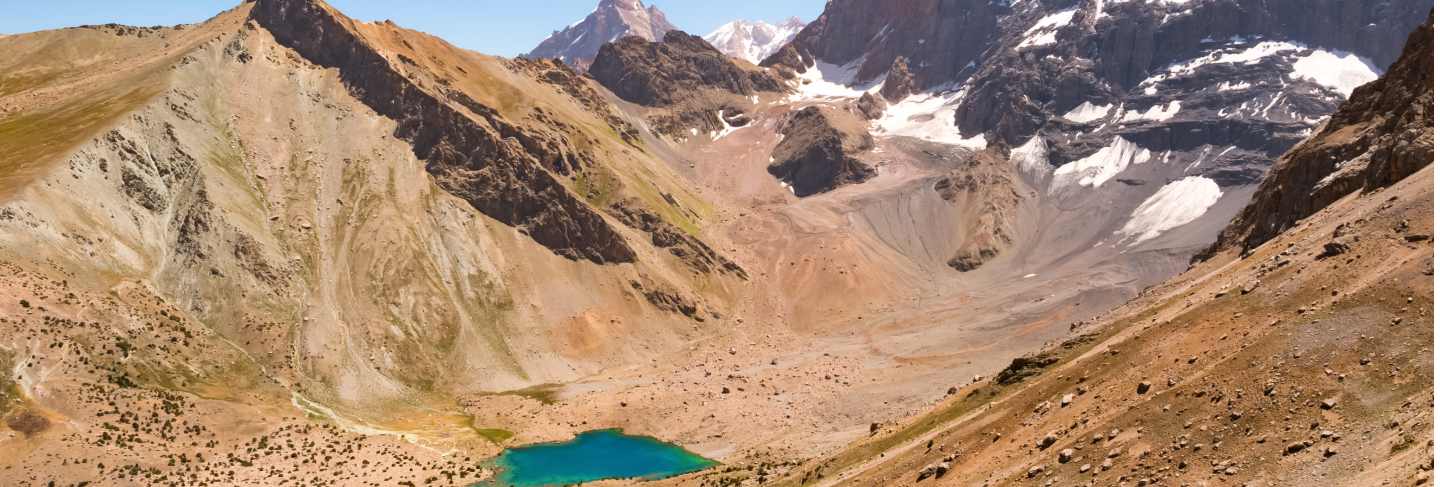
(754, 40)
(284, 246)
(1133, 103)
(1284, 360)
(577, 44)
(688, 84)
(236, 228)
(1381, 135)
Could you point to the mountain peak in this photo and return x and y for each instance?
(754, 40)
(623, 4)
(577, 44)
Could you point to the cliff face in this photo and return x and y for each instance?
(472, 152)
(939, 37)
(1382, 134)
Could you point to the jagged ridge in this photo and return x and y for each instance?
(469, 154)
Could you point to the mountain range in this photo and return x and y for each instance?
(950, 242)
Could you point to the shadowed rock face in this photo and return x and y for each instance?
(1382, 134)
(1106, 57)
(475, 154)
(659, 74)
(939, 37)
(817, 154)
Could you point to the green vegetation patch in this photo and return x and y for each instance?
(495, 435)
(31, 141)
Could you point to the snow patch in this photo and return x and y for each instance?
(1337, 71)
(1249, 55)
(927, 116)
(1032, 157)
(827, 81)
(1044, 30)
(1095, 169)
(728, 128)
(1157, 113)
(1233, 86)
(1088, 112)
(1176, 204)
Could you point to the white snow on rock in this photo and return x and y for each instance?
(729, 129)
(753, 40)
(1233, 86)
(1095, 169)
(824, 81)
(1032, 157)
(927, 116)
(1249, 55)
(1176, 204)
(1087, 112)
(1158, 113)
(1338, 71)
(1043, 32)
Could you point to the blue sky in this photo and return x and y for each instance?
(504, 27)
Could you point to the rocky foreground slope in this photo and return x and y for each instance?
(1286, 359)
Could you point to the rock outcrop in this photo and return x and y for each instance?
(1384, 133)
(899, 82)
(987, 184)
(577, 44)
(566, 80)
(695, 253)
(693, 87)
(474, 154)
(818, 153)
(658, 74)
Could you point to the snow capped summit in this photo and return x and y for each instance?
(611, 20)
(754, 40)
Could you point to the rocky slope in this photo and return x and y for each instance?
(754, 40)
(611, 20)
(284, 214)
(1382, 134)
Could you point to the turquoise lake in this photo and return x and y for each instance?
(595, 455)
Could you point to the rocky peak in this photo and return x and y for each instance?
(899, 83)
(754, 41)
(1384, 133)
(611, 20)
